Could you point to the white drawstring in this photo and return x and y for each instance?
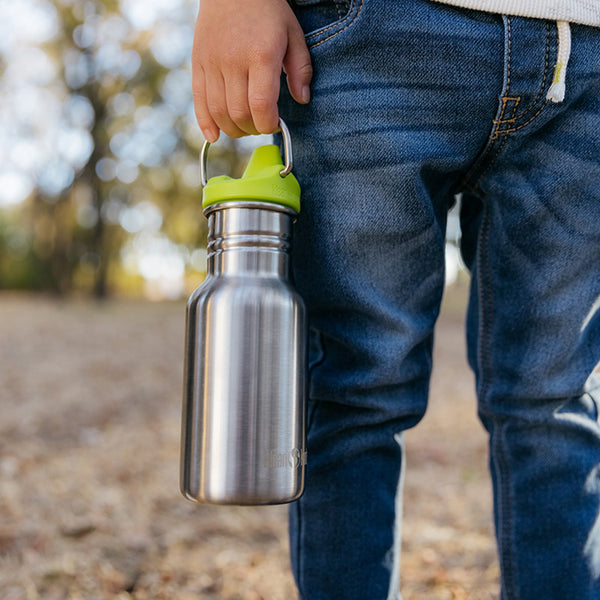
(556, 93)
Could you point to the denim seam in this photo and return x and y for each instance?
(486, 302)
(526, 123)
(343, 8)
(494, 137)
(490, 164)
(480, 162)
(492, 161)
(501, 466)
(497, 122)
(509, 29)
(531, 107)
(485, 310)
(335, 25)
(502, 119)
(338, 8)
(466, 183)
(542, 86)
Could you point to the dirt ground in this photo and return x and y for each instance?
(90, 507)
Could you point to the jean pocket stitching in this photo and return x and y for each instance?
(351, 17)
(338, 7)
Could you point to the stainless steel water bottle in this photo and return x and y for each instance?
(243, 429)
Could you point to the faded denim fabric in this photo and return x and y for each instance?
(414, 102)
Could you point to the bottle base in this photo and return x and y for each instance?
(241, 500)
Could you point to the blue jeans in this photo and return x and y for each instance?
(414, 102)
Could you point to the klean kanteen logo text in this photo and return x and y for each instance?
(293, 459)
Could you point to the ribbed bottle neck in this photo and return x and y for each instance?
(249, 239)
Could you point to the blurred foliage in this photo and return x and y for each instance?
(108, 158)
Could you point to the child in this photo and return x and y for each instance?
(396, 106)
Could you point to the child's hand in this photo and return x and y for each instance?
(240, 48)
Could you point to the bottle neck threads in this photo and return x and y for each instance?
(249, 238)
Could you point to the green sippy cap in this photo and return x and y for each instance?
(262, 181)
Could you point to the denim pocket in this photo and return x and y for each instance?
(322, 20)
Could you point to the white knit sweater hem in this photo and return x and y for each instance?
(586, 12)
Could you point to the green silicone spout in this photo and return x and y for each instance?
(261, 182)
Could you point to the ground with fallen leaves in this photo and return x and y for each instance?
(89, 446)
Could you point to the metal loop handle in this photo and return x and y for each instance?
(287, 150)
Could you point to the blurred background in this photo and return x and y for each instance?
(99, 182)
(100, 200)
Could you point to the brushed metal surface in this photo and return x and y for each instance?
(243, 425)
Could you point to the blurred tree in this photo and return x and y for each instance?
(106, 146)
